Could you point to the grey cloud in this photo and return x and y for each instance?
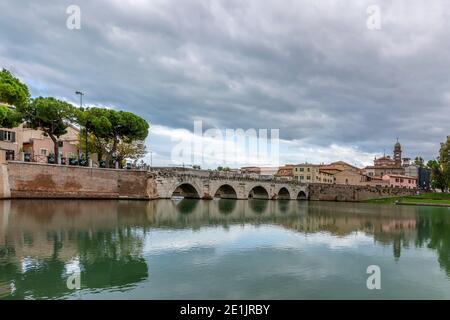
(313, 70)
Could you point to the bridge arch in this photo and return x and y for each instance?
(186, 190)
(225, 191)
(284, 194)
(302, 195)
(258, 192)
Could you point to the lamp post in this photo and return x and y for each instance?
(81, 94)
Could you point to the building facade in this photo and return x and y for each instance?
(400, 181)
(312, 173)
(21, 141)
(422, 175)
(386, 164)
(286, 172)
(341, 166)
(354, 178)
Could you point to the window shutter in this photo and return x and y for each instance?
(13, 136)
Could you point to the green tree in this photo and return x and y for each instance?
(126, 127)
(134, 150)
(444, 161)
(437, 175)
(49, 115)
(9, 117)
(93, 145)
(112, 129)
(12, 91)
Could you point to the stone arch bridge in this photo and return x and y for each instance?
(208, 186)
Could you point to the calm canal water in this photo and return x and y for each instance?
(221, 249)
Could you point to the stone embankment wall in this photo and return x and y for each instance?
(31, 180)
(336, 192)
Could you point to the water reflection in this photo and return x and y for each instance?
(43, 242)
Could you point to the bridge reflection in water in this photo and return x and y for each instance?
(42, 242)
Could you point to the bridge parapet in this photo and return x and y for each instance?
(189, 184)
(224, 176)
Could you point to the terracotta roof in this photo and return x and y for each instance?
(307, 165)
(383, 167)
(400, 176)
(329, 167)
(343, 163)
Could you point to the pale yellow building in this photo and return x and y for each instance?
(311, 173)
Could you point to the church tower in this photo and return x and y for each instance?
(398, 154)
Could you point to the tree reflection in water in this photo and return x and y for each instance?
(42, 242)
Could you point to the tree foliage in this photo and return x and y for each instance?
(440, 168)
(9, 117)
(444, 162)
(115, 134)
(12, 91)
(134, 150)
(50, 115)
(437, 175)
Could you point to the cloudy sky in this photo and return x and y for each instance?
(335, 88)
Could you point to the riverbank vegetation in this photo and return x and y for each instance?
(440, 168)
(113, 135)
(431, 198)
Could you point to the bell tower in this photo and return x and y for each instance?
(398, 154)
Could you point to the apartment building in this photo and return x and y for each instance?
(24, 142)
(311, 173)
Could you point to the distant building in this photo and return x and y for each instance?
(312, 173)
(286, 172)
(422, 175)
(355, 178)
(424, 179)
(340, 166)
(260, 171)
(268, 171)
(400, 181)
(250, 170)
(386, 164)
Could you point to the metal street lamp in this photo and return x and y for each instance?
(81, 94)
